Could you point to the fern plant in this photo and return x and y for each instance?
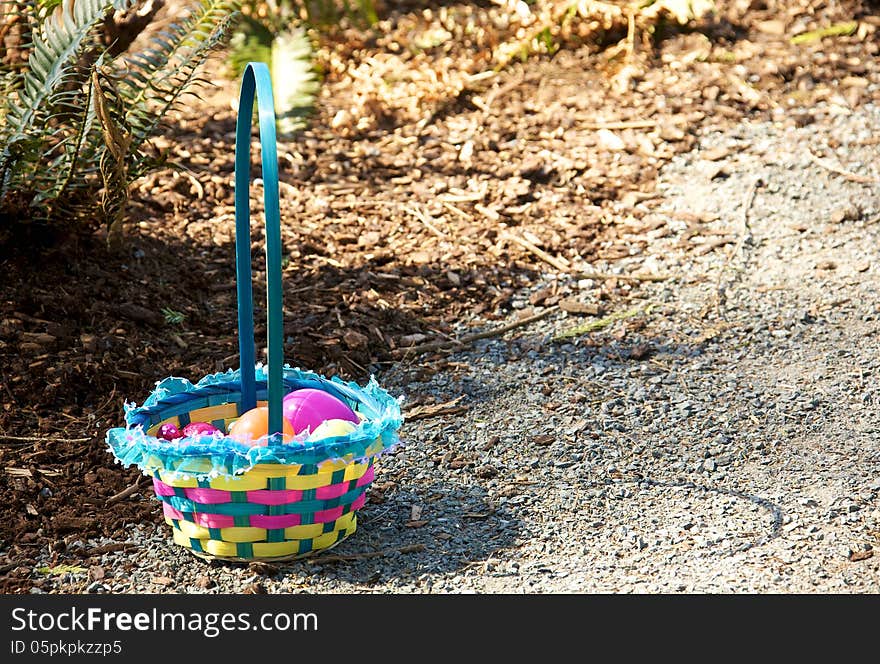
(75, 119)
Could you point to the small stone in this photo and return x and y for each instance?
(709, 465)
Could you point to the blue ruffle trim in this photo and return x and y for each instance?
(217, 455)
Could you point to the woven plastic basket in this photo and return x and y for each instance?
(222, 498)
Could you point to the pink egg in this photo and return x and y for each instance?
(307, 408)
(199, 429)
(169, 431)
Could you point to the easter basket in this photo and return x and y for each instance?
(288, 493)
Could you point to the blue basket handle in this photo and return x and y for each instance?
(257, 80)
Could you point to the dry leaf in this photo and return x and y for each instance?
(573, 306)
(856, 556)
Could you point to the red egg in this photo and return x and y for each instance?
(169, 431)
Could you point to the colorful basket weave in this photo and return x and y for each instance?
(228, 500)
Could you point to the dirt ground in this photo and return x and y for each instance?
(423, 196)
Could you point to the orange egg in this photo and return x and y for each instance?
(254, 425)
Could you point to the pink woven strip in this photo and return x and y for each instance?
(162, 489)
(204, 520)
(325, 516)
(331, 491)
(367, 477)
(276, 521)
(212, 496)
(274, 497)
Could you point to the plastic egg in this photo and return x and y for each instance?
(330, 428)
(169, 431)
(307, 408)
(199, 429)
(253, 427)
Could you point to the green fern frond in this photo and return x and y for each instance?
(56, 45)
(74, 150)
(154, 80)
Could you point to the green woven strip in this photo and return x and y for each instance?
(277, 483)
(309, 494)
(196, 545)
(183, 418)
(242, 520)
(305, 546)
(220, 424)
(239, 496)
(275, 535)
(214, 534)
(329, 526)
(275, 510)
(179, 491)
(308, 469)
(338, 476)
(244, 549)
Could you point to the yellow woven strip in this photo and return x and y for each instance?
(274, 549)
(316, 530)
(261, 549)
(327, 539)
(303, 482)
(249, 534)
(331, 465)
(222, 411)
(375, 447)
(172, 478)
(355, 471)
(254, 479)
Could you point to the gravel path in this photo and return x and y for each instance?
(724, 440)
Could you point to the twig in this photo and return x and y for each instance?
(635, 276)
(125, 493)
(461, 213)
(622, 124)
(342, 558)
(427, 222)
(37, 439)
(745, 232)
(592, 326)
(540, 253)
(854, 177)
(470, 338)
(6, 386)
